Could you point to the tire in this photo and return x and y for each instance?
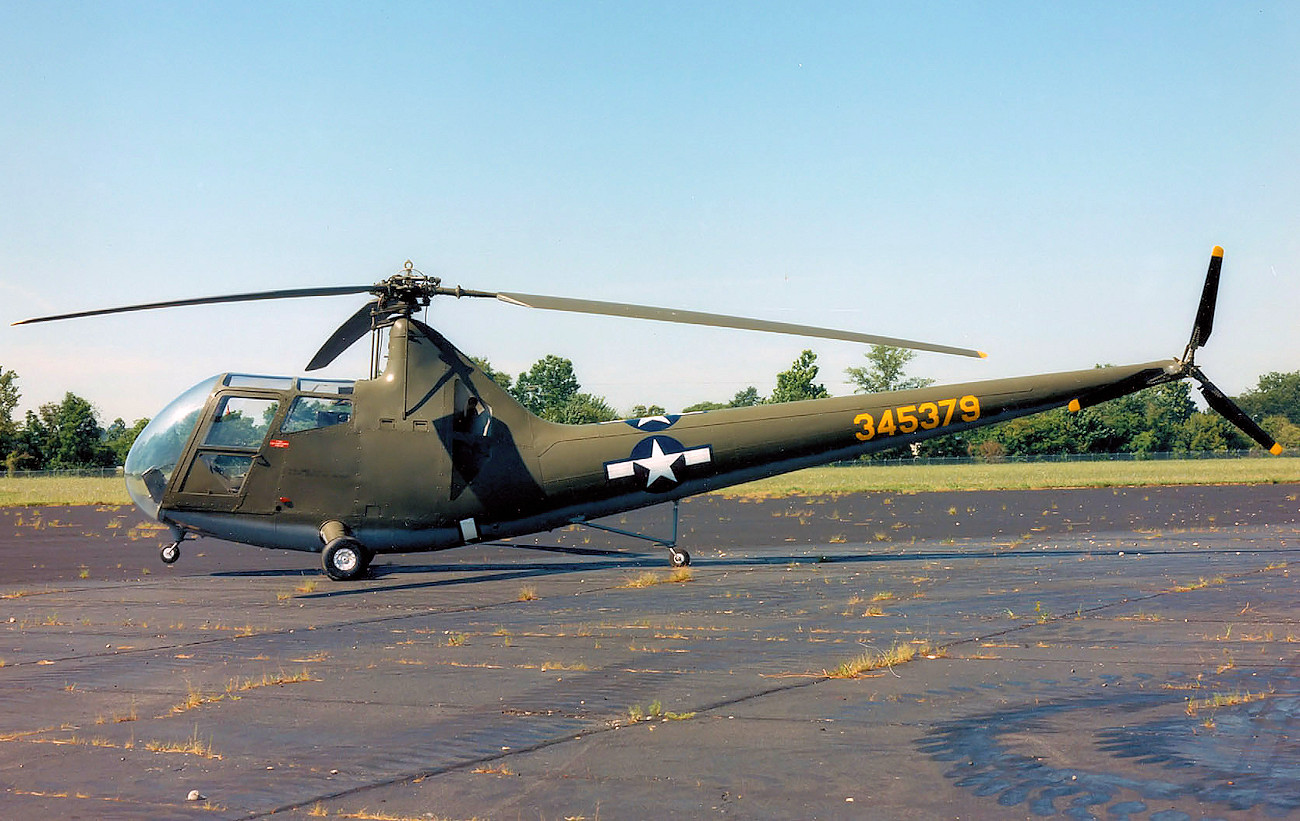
(170, 553)
(345, 559)
(680, 558)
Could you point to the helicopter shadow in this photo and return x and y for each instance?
(597, 560)
(602, 560)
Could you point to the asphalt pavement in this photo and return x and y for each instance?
(1126, 653)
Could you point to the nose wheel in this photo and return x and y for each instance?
(170, 553)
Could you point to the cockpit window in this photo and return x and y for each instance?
(245, 380)
(241, 422)
(153, 457)
(311, 413)
(330, 386)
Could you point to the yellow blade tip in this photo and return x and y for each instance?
(1074, 406)
(1276, 450)
(1218, 251)
(982, 355)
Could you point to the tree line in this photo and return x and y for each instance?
(1163, 419)
(68, 434)
(59, 435)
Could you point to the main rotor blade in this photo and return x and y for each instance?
(1218, 400)
(588, 306)
(355, 327)
(290, 293)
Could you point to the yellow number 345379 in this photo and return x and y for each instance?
(911, 418)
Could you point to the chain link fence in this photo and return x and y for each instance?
(1072, 457)
(92, 473)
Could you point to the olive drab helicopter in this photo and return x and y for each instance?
(429, 453)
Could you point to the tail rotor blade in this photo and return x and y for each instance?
(1218, 400)
(1209, 296)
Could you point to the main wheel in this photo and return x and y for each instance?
(680, 558)
(345, 559)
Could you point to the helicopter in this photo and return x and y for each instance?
(429, 453)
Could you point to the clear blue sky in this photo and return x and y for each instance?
(1043, 181)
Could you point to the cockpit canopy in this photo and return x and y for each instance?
(242, 419)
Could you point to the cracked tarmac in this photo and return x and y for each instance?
(1124, 653)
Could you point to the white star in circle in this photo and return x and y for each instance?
(659, 464)
(645, 420)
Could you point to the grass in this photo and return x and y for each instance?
(1218, 700)
(1017, 476)
(190, 746)
(62, 490)
(1199, 584)
(898, 653)
(650, 578)
(655, 712)
(195, 698)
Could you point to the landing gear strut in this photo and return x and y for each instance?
(676, 556)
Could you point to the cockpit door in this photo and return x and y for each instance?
(232, 453)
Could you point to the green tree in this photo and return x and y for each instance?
(1168, 407)
(704, 406)
(1210, 431)
(884, 371)
(9, 397)
(747, 398)
(583, 409)
(551, 390)
(1286, 432)
(1277, 394)
(642, 411)
(547, 386)
(73, 437)
(1033, 435)
(502, 379)
(797, 383)
(119, 438)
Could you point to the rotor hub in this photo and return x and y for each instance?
(405, 293)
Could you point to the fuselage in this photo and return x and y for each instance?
(432, 454)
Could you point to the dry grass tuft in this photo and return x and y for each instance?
(655, 712)
(1199, 584)
(190, 746)
(1217, 700)
(898, 653)
(651, 578)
